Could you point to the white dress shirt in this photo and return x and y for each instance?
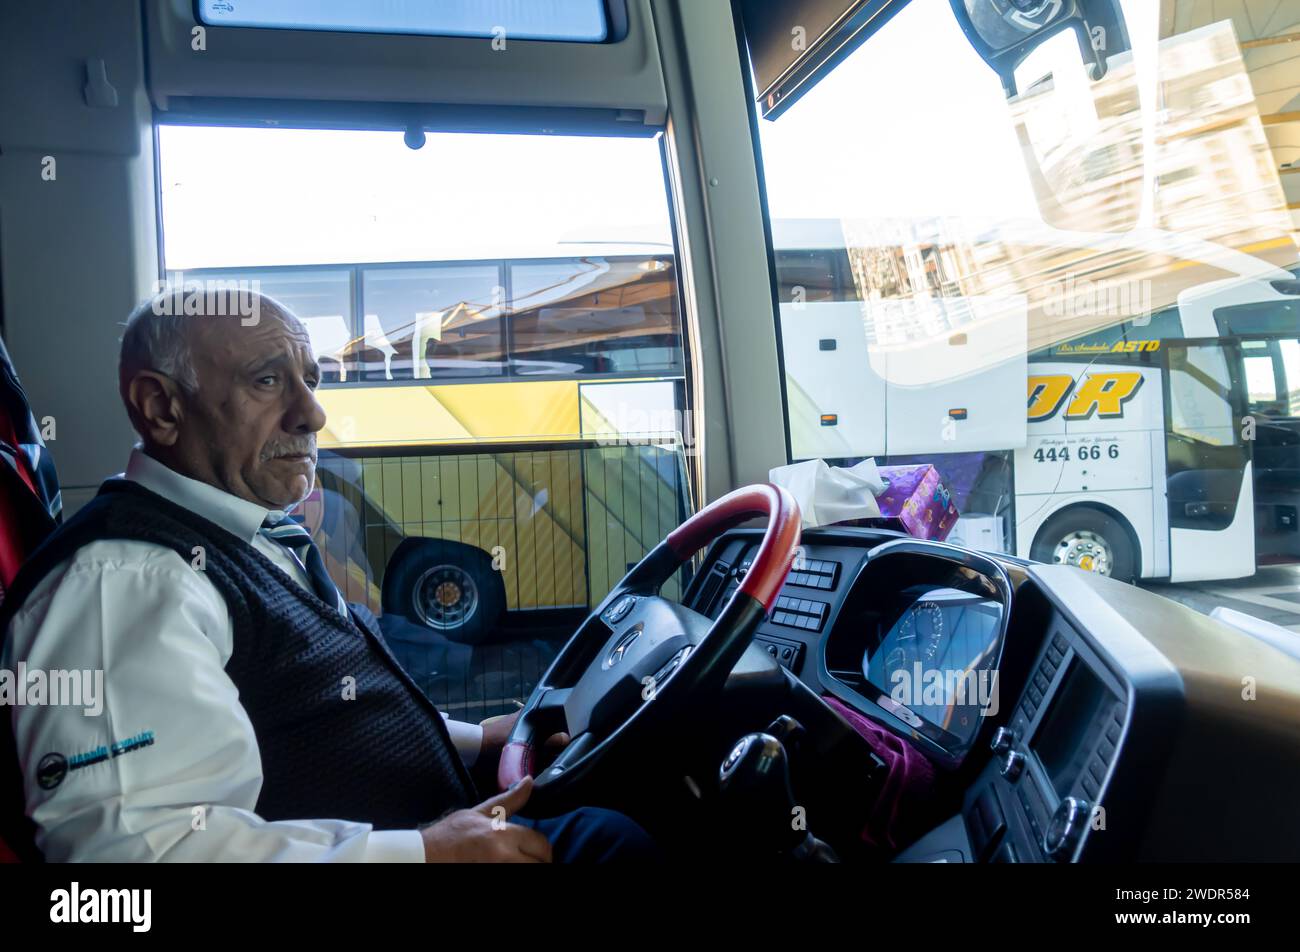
(160, 632)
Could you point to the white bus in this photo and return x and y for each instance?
(1155, 441)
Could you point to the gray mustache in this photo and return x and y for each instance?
(306, 446)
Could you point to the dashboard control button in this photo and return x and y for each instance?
(1105, 751)
(1098, 770)
(1041, 683)
(1090, 787)
(1004, 739)
(620, 609)
(1035, 696)
(1013, 764)
(1066, 829)
(1112, 733)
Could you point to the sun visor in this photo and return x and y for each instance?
(794, 43)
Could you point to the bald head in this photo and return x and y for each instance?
(220, 385)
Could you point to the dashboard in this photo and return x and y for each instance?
(1070, 717)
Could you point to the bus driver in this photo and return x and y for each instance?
(242, 696)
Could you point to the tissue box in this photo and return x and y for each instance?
(917, 498)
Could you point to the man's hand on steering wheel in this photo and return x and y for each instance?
(496, 731)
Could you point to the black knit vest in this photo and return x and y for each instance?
(382, 757)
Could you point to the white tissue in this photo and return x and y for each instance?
(829, 494)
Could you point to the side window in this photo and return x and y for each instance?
(595, 316)
(1261, 377)
(1290, 350)
(432, 322)
(498, 321)
(1200, 396)
(813, 276)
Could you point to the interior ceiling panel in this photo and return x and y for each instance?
(194, 67)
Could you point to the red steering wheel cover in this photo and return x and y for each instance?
(516, 763)
(776, 552)
(766, 573)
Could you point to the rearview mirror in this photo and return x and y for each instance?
(1073, 101)
(1004, 32)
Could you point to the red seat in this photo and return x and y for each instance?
(30, 508)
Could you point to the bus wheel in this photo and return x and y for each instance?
(447, 587)
(1088, 539)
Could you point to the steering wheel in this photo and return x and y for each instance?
(639, 658)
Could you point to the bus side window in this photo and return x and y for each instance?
(1263, 394)
(1200, 395)
(1290, 396)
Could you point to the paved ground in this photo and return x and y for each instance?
(1272, 593)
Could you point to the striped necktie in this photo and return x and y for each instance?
(278, 527)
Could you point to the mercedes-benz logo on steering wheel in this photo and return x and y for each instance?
(624, 643)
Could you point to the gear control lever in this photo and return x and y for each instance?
(755, 782)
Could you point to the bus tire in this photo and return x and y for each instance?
(447, 587)
(1089, 539)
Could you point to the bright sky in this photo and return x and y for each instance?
(912, 124)
(236, 197)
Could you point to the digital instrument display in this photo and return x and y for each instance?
(1061, 740)
(933, 658)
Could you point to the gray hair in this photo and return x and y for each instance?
(155, 339)
(156, 336)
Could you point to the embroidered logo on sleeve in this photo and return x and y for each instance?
(143, 739)
(51, 770)
(54, 767)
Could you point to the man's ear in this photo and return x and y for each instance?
(155, 401)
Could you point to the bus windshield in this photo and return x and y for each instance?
(1076, 299)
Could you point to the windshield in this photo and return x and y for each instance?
(1074, 300)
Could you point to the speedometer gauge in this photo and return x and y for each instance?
(917, 640)
(927, 617)
(920, 631)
